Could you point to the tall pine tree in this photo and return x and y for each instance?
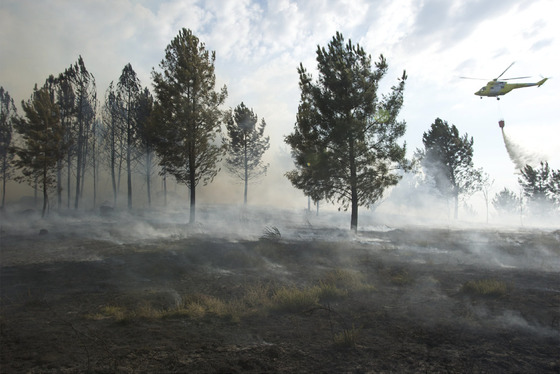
(8, 116)
(43, 142)
(447, 158)
(128, 88)
(345, 141)
(245, 146)
(188, 114)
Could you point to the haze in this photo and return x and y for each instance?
(259, 45)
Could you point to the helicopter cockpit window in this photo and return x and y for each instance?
(482, 89)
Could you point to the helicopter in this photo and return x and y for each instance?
(496, 88)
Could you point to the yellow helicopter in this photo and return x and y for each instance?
(496, 88)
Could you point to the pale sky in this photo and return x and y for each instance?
(259, 45)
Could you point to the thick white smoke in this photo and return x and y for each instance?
(519, 155)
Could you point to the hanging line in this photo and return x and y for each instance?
(501, 120)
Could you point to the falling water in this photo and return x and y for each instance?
(518, 155)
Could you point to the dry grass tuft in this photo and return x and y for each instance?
(485, 287)
(293, 299)
(347, 338)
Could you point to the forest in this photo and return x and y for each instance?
(345, 143)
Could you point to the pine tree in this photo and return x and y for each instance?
(128, 88)
(540, 187)
(8, 116)
(146, 136)
(447, 159)
(345, 141)
(113, 136)
(66, 100)
(83, 83)
(506, 202)
(245, 146)
(43, 142)
(188, 115)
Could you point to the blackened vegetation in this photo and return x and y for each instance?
(405, 301)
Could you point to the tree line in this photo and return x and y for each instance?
(66, 132)
(345, 142)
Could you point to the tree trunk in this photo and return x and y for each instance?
(45, 192)
(129, 177)
(354, 218)
(164, 189)
(353, 186)
(129, 157)
(59, 184)
(192, 187)
(94, 164)
(246, 174)
(193, 202)
(4, 177)
(68, 181)
(148, 174)
(456, 210)
(79, 156)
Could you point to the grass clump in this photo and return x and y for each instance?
(347, 338)
(485, 287)
(346, 280)
(201, 306)
(293, 299)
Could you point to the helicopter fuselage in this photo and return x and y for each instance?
(496, 88)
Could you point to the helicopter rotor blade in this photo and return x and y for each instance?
(476, 79)
(509, 79)
(505, 71)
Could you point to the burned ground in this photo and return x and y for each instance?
(318, 301)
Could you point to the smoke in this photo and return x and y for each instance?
(519, 155)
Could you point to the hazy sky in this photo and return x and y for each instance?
(259, 45)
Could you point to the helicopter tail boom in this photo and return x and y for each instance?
(541, 82)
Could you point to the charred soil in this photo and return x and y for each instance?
(408, 300)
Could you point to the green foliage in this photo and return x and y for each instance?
(541, 187)
(187, 112)
(245, 145)
(447, 160)
(344, 142)
(113, 136)
(78, 105)
(506, 202)
(128, 89)
(43, 141)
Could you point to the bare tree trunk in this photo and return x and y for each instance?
(353, 187)
(68, 181)
(45, 189)
(165, 189)
(456, 207)
(148, 176)
(59, 184)
(79, 156)
(192, 181)
(129, 176)
(246, 174)
(4, 178)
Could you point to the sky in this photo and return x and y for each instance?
(259, 45)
